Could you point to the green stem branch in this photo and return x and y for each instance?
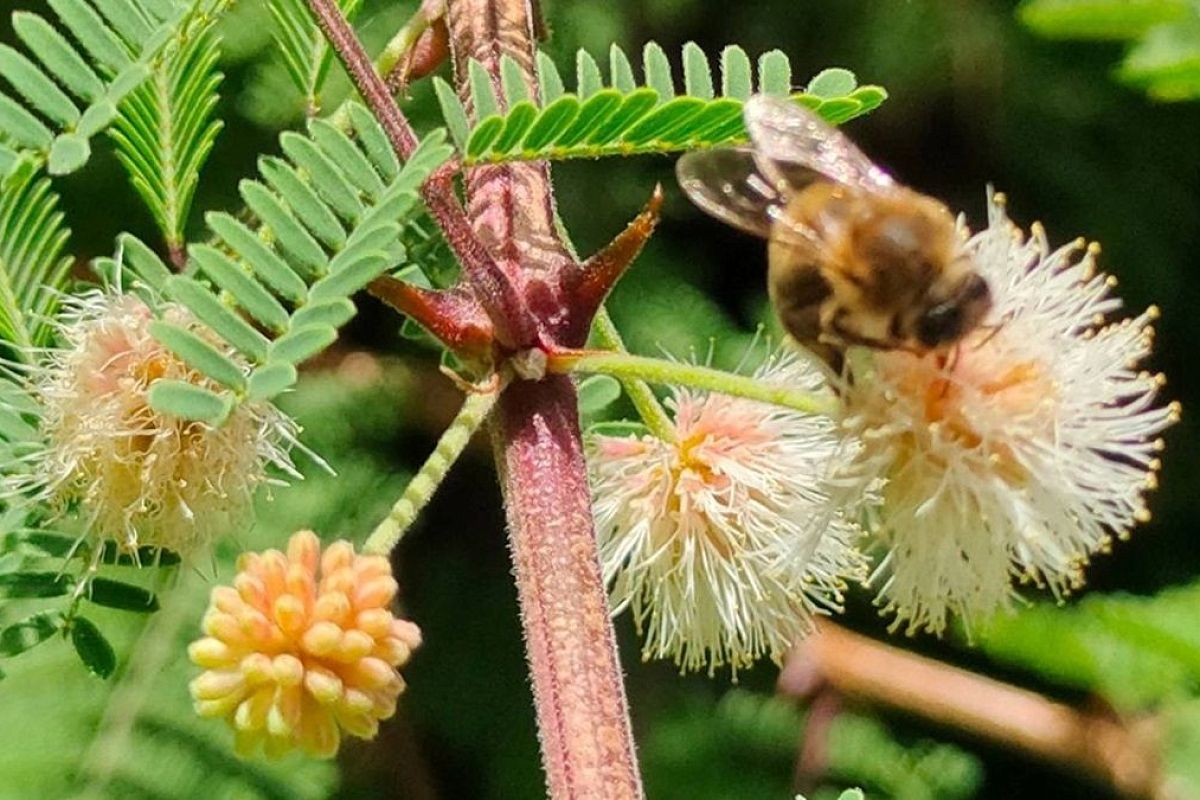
(420, 489)
(625, 366)
(640, 393)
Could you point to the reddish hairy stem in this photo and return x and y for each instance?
(583, 719)
(527, 282)
(511, 206)
(514, 325)
(579, 695)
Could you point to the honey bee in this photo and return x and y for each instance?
(854, 257)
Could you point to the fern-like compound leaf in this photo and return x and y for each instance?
(65, 86)
(327, 220)
(624, 117)
(33, 264)
(165, 129)
(304, 51)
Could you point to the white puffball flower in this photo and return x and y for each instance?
(725, 541)
(1021, 452)
(134, 475)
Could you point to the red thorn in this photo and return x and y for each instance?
(453, 316)
(602, 271)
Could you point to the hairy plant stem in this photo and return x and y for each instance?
(422, 486)
(524, 277)
(514, 325)
(579, 696)
(628, 367)
(583, 722)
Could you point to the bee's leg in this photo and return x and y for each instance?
(947, 362)
(950, 361)
(828, 351)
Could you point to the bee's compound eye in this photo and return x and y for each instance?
(949, 320)
(940, 324)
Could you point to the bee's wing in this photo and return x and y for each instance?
(728, 184)
(786, 134)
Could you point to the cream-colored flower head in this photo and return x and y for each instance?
(302, 648)
(726, 540)
(1018, 454)
(137, 476)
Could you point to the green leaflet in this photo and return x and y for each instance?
(199, 354)
(596, 393)
(118, 594)
(93, 649)
(29, 632)
(625, 118)
(1099, 19)
(1166, 63)
(188, 401)
(328, 220)
(33, 584)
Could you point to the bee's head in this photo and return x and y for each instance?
(955, 311)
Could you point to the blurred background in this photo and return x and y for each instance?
(976, 97)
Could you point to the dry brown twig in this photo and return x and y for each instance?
(1098, 746)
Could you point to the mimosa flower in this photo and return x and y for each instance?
(303, 648)
(140, 477)
(727, 540)
(1021, 452)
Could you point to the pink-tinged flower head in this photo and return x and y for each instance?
(302, 648)
(1021, 452)
(725, 541)
(140, 477)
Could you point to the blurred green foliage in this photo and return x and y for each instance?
(1164, 36)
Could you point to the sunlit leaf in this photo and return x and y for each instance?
(624, 118)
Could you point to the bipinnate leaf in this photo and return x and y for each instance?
(272, 289)
(628, 118)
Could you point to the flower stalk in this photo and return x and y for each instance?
(639, 392)
(629, 367)
(420, 489)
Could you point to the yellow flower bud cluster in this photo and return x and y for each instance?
(302, 648)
